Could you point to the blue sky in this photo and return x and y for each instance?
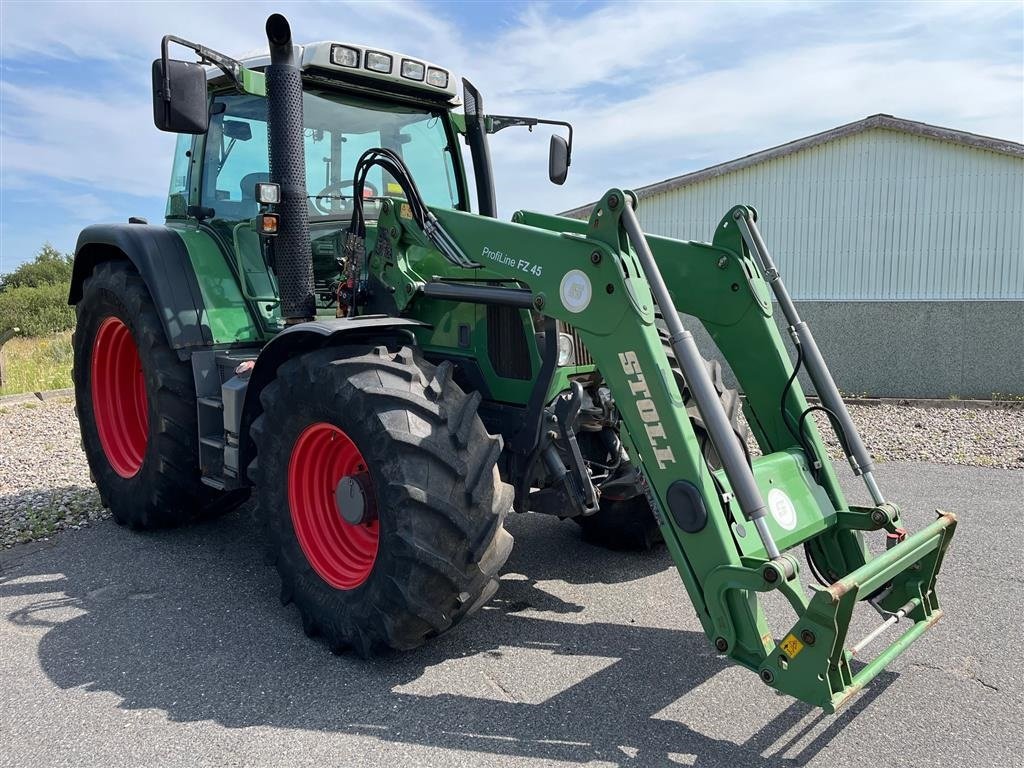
(653, 89)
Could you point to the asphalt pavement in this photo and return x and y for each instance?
(172, 649)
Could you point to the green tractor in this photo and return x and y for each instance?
(324, 321)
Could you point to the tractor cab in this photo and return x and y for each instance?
(353, 99)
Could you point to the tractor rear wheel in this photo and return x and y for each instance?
(379, 489)
(136, 406)
(629, 524)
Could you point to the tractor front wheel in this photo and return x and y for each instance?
(379, 489)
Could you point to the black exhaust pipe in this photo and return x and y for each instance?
(293, 255)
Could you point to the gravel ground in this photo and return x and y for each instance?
(977, 437)
(44, 478)
(45, 485)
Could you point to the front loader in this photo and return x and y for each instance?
(323, 320)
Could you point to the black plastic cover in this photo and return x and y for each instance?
(686, 505)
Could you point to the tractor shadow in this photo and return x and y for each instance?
(187, 621)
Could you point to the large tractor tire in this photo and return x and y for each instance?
(379, 488)
(136, 405)
(629, 524)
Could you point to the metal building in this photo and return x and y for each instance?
(902, 242)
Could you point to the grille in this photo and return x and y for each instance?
(506, 343)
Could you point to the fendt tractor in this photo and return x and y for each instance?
(324, 321)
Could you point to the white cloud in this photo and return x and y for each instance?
(653, 89)
(900, 60)
(106, 142)
(111, 31)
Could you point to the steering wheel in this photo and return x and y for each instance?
(326, 197)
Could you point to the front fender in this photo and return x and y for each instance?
(306, 337)
(161, 259)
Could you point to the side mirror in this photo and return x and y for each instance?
(558, 159)
(239, 130)
(179, 97)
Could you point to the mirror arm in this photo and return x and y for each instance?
(225, 64)
(497, 123)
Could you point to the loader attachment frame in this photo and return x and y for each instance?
(730, 532)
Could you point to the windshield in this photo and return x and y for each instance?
(338, 129)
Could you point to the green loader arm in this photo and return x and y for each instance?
(729, 532)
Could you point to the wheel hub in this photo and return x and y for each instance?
(329, 487)
(354, 499)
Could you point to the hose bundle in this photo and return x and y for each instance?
(396, 167)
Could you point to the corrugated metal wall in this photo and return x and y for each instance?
(880, 215)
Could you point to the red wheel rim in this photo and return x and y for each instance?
(342, 553)
(119, 402)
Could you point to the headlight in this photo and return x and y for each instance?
(378, 62)
(437, 77)
(412, 70)
(344, 56)
(566, 352)
(268, 193)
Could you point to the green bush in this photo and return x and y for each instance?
(50, 266)
(36, 311)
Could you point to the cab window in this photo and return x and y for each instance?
(177, 194)
(338, 129)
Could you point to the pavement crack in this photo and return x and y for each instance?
(500, 688)
(983, 684)
(964, 674)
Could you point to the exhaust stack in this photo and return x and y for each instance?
(293, 259)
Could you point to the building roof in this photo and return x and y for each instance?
(874, 122)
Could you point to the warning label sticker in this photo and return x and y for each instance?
(791, 646)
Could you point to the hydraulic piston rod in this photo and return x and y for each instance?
(856, 452)
(734, 462)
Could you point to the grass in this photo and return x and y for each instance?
(1008, 397)
(37, 364)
